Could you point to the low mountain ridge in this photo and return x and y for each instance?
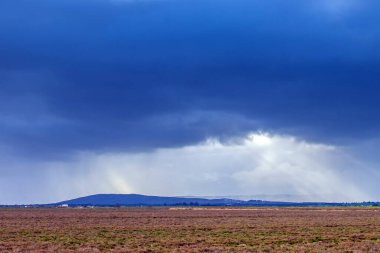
(113, 200)
(143, 200)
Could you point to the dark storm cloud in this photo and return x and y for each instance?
(104, 75)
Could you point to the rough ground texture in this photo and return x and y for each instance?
(190, 230)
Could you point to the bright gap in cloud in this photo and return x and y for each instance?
(337, 7)
(259, 165)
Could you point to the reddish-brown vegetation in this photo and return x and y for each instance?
(187, 230)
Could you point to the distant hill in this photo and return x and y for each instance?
(143, 200)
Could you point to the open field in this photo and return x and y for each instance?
(190, 230)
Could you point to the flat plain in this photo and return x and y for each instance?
(190, 230)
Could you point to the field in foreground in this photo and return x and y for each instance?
(190, 230)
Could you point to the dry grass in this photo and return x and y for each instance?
(190, 230)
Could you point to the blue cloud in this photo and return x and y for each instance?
(101, 75)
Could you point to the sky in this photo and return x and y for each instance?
(258, 99)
